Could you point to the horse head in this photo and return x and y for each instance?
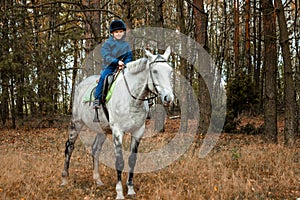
(160, 76)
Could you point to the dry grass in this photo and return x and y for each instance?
(239, 167)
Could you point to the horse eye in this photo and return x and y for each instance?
(155, 71)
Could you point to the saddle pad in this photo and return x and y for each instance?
(89, 94)
(110, 91)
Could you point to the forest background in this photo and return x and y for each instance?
(254, 46)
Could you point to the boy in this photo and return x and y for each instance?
(116, 53)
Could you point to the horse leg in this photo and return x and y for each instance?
(96, 148)
(74, 132)
(131, 161)
(119, 163)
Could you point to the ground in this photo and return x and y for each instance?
(238, 167)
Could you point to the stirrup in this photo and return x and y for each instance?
(96, 104)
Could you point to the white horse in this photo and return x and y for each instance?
(127, 110)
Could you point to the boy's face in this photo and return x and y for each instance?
(118, 34)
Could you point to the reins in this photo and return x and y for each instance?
(134, 97)
(156, 91)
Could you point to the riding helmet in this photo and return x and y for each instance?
(117, 25)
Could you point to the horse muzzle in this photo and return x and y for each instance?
(167, 97)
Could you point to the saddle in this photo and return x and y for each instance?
(108, 82)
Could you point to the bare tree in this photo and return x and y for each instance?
(236, 42)
(183, 68)
(270, 64)
(247, 37)
(158, 14)
(289, 87)
(201, 20)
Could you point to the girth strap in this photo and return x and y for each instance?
(105, 111)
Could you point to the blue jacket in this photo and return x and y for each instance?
(114, 50)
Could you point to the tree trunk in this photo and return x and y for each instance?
(158, 14)
(247, 37)
(159, 22)
(257, 49)
(13, 112)
(236, 42)
(3, 71)
(260, 75)
(297, 63)
(74, 74)
(201, 22)
(201, 19)
(4, 97)
(289, 87)
(92, 24)
(38, 63)
(270, 62)
(184, 106)
(127, 13)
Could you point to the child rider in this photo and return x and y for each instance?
(116, 53)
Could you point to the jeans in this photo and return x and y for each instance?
(98, 92)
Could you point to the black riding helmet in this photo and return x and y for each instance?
(117, 25)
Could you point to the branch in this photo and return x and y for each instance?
(54, 2)
(189, 2)
(83, 7)
(95, 10)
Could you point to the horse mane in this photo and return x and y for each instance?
(137, 66)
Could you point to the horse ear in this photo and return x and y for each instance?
(167, 53)
(149, 55)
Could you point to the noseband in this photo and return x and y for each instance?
(158, 59)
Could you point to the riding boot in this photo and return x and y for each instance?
(96, 116)
(96, 106)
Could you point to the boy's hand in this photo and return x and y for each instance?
(121, 64)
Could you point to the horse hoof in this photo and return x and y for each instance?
(119, 197)
(131, 196)
(64, 182)
(131, 192)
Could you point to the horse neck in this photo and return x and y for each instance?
(137, 84)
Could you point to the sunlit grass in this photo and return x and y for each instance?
(239, 167)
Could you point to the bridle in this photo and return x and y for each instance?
(158, 59)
